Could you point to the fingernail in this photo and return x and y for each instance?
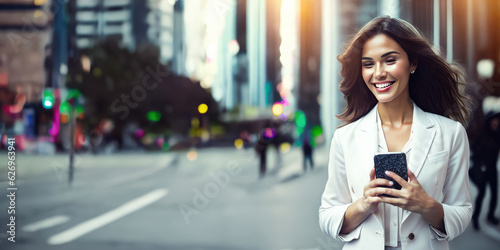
(390, 183)
(387, 172)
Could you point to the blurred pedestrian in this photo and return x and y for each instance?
(402, 96)
(307, 153)
(261, 149)
(485, 151)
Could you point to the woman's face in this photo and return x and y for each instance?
(385, 68)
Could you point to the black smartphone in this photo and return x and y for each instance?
(393, 161)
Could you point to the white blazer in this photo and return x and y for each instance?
(439, 160)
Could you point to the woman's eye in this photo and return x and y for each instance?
(367, 65)
(391, 60)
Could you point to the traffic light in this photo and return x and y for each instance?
(48, 99)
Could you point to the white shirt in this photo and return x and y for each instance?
(392, 214)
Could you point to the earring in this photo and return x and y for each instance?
(413, 71)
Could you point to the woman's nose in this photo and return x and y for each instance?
(380, 72)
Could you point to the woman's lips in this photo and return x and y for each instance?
(383, 86)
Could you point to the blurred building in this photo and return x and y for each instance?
(132, 23)
(26, 65)
(25, 33)
(249, 57)
(96, 19)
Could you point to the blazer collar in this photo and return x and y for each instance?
(423, 135)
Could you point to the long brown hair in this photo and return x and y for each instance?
(434, 87)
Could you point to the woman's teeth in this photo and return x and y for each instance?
(383, 85)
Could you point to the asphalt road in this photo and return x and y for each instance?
(166, 201)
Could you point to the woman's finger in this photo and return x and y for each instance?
(393, 201)
(372, 174)
(397, 178)
(379, 191)
(373, 199)
(379, 182)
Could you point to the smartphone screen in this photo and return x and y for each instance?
(393, 161)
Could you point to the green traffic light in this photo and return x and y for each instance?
(48, 99)
(47, 103)
(153, 116)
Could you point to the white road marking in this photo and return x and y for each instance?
(104, 219)
(46, 223)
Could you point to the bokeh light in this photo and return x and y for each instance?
(64, 118)
(285, 147)
(65, 107)
(269, 133)
(79, 109)
(148, 139)
(238, 143)
(160, 141)
(205, 135)
(485, 68)
(203, 108)
(192, 155)
(233, 47)
(39, 2)
(153, 116)
(48, 99)
(277, 109)
(139, 132)
(86, 63)
(300, 119)
(47, 104)
(316, 131)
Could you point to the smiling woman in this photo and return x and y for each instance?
(437, 88)
(401, 97)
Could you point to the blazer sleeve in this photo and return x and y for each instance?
(336, 197)
(456, 202)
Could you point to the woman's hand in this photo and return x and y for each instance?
(371, 199)
(411, 197)
(357, 212)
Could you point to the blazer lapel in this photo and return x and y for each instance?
(423, 135)
(424, 132)
(367, 142)
(366, 139)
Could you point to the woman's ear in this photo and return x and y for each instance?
(413, 65)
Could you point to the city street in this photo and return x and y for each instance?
(172, 106)
(213, 200)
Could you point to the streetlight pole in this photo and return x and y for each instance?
(72, 141)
